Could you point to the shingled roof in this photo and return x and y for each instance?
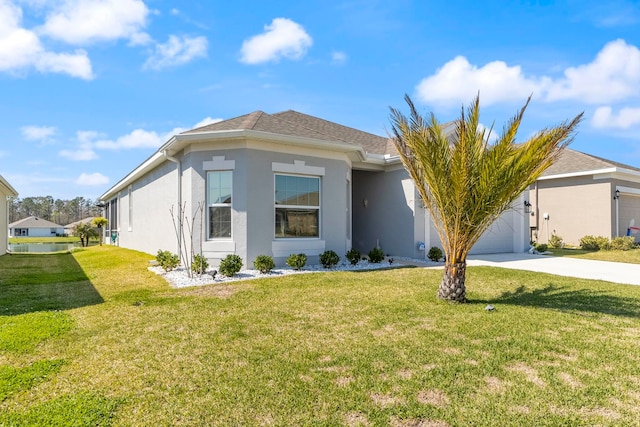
(572, 161)
(34, 222)
(293, 123)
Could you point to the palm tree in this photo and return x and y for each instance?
(465, 180)
(100, 222)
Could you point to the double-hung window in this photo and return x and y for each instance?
(219, 204)
(297, 206)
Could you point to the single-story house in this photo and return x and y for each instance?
(34, 226)
(581, 195)
(279, 184)
(6, 191)
(68, 229)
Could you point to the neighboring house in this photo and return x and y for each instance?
(581, 195)
(68, 229)
(279, 184)
(6, 191)
(34, 226)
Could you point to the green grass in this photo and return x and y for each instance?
(339, 348)
(631, 256)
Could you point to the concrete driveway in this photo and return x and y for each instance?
(616, 272)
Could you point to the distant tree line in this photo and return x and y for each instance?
(61, 212)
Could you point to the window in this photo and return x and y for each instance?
(130, 191)
(297, 206)
(219, 204)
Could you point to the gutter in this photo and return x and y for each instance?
(179, 170)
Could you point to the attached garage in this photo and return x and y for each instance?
(629, 214)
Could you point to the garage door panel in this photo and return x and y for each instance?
(497, 239)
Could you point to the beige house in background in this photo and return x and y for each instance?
(583, 195)
(6, 191)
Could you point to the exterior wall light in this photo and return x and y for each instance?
(527, 207)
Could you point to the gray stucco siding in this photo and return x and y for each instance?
(153, 196)
(383, 215)
(253, 209)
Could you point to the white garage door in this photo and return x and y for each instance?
(629, 211)
(498, 238)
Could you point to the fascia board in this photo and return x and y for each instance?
(9, 190)
(146, 166)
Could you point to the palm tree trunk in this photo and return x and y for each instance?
(452, 286)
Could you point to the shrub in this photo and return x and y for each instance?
(167, 260)
(623, 243)
(594, 243)
(541, 247)
(231, 265)
(329, 258)
(199, 264)
(353, 256)
(376, 255)
(556, 242)
(264, 264)
(435, 253)
(297, 261)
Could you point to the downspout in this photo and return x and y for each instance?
(179, 169)
(537, 212)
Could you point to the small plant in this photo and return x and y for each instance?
(297, 261)
(353, 256)
(623, 243)
(594, 243)
(264, 264)
(435, 253)
(556, 242)
(376, 255)
(167, 260)
(329, 258)
(199, 264)
(542, 247)
(231, 265)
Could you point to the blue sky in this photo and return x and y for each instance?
(90, 88)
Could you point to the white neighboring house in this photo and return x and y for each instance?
(68, 229)
(6, 191)
(34, 226)
(281, 184)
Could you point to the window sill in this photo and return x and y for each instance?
(283, 247)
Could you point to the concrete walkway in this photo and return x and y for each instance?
(616, 272)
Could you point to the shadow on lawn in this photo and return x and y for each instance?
(30, 283)
(571, 300)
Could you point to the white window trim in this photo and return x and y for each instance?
(218, 164)
(318, 208)
(209, 205)
(297, 168)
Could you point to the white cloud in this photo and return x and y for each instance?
(282, 39)
(38, 133)
(140, 39)
(458, 81)
(605, 118)
(92, 179)
(206, 121)
(338, 58)
(82, 153)
(82, 22)
(138, 138)
(21, 49)
(613, 75)
(177, 51)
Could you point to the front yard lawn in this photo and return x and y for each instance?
(632, 256)
(109, 343)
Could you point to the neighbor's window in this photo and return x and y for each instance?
(219, 204)
(297, 206)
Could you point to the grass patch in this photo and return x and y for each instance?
(74, 410)
(13, 379)
(631, 257)
(21, 334)
(339, 348)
